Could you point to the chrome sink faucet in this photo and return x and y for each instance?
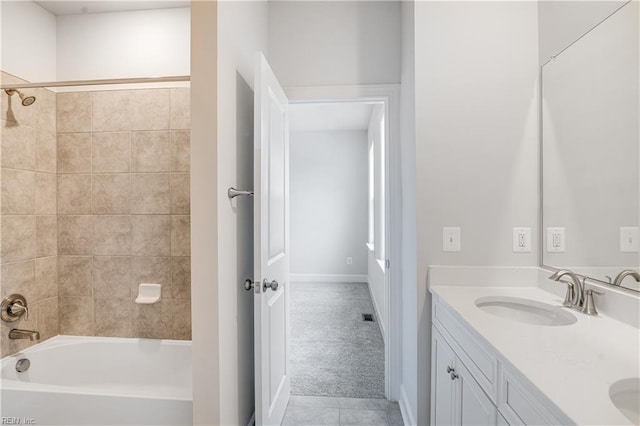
(578, 296)
(624, 274)
(574, 295)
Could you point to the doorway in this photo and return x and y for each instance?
(337, 267)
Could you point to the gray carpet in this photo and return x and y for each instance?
(333, 351)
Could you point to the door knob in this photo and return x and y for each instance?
(273, 285)
(249, 284)
(449, 369)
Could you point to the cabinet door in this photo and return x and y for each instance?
(475, 407)
(443, 388)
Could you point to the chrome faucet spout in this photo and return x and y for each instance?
(624, 274)
(575, 291)
(17, 333)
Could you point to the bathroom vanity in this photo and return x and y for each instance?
(514, 355)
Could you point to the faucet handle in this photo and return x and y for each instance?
(17, 308)
(568, 297)
(589, 307)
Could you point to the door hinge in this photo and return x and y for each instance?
(387, 263)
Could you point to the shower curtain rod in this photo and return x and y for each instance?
(97, 82)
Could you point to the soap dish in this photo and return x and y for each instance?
(148, 294)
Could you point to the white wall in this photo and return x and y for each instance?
(28, 37)
(562, 22)
(123, 44)
(328, 196)
(242, 30)
(335, 43)
(476, 141)
(409, 387)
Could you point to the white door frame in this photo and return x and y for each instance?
(389, 94)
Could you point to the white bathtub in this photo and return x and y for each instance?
(100, 381)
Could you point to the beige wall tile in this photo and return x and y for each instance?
(151, 270)
(180, 235)
(48, 320)
(18, 238)
(111, 152)
(74, 194)
(112, 235)
(111, 276)
(46, 236)
(18, 146)
(151, 194)
(73, 112)
(180, 154)
(74, 153)
(111, 111)
(76, 318)
(180, 193)
(111, 194)
(151, 235)
(46, 151)
(46, 277)
(147, 321)
(45, 109)
(176, 315)
(46, 193)
(181, 278)
(74, 235)
(180, 108)
(113, 317)
(150, 152)
(18, 191)
(150, 109)
(75, 276)
(20, 277)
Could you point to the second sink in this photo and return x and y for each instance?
(525, 310)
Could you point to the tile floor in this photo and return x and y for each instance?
(332, 411)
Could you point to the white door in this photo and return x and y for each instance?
(271, 246)
(475, 406)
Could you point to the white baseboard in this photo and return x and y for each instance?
(377, 311)
(252, 420)
(328, 278)
(406, 409)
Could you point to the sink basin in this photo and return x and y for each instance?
(625, 395)
(526, 311)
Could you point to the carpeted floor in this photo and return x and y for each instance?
(333, 351)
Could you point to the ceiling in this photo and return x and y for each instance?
(59, 8)
(313, 117)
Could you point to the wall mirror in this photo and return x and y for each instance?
(590, 139)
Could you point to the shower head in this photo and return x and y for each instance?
(26, 100)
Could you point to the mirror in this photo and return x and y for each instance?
(591, 152)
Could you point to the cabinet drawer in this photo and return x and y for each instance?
(520, 406)
(471, 351)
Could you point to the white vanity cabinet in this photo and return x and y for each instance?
(472, 385)
(457, 398)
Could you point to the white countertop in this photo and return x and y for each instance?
(572, 365)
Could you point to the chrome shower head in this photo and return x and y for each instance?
(26, 100)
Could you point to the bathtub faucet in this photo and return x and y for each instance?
(16, 333)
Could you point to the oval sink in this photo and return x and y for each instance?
(625, 395)
(525, 310)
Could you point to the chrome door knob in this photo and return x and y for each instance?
(273, 285)
(454, 375)
(449, 369)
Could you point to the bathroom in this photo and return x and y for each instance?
(466, 157)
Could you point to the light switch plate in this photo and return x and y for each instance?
(556, 240)
(451, 239)
(629, 239)
(522, 240)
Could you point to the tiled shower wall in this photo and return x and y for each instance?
(28, 238)
(123, 211)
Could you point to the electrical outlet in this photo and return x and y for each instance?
(521, 240)
(349, 260)
(451, 239)
(556, 240)
(629, 239)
